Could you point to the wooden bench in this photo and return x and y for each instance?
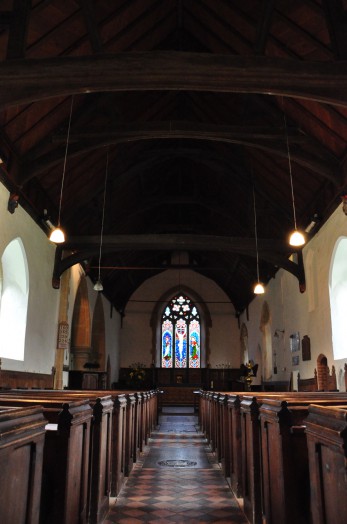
(64, 495)
(285, 470)
(22, 433)
(326, 432)
(98, 456)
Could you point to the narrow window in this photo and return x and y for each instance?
(338, 299)
(14, 301)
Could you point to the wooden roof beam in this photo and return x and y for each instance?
(272, 251)
(24, 81)
(272, 141)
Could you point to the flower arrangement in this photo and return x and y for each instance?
(137, 373)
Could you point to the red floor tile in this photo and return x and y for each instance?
(190, 495)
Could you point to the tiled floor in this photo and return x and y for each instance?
(176, 492)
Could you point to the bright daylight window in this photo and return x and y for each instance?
(180, 334)
(13, 301)
(338, 299)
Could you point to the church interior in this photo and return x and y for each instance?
(173, 276)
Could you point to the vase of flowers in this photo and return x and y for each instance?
(137, 374)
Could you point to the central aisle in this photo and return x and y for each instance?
(176, 479)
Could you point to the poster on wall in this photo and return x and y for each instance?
(294, 341)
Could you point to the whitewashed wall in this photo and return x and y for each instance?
(43, 304)
(136, 333)
(307, 313)
(43, 301)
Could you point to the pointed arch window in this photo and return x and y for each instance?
(180, 334)
(14, 295)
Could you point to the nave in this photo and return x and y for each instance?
(176, 479)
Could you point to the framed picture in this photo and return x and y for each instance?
(295, 360)
(294, 341)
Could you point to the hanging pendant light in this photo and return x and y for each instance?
(57, 236)
(98, 284)
(258, 288)
(296, 238)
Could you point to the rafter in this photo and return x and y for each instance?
(336, 17)
(18, 29)
(87, 7)
(266, 139)
(24, 81)
(264, 25)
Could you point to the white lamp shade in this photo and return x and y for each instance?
(297, 239)
(98, 286)
(259, 289)
(57, 236)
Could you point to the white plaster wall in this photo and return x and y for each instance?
(307, 313)
(43, 303)
(43, 300)
(136, 333)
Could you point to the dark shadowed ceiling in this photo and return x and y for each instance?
(192, 103)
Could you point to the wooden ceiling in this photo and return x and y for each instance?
(193, 106)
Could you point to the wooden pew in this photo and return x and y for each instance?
(118, 432)
(22, 432)
(99, 454)
(308, 384)
(285, 470)
(326, 432)
(64, 496)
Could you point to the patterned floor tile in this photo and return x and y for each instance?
(181, 495)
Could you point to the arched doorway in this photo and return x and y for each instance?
(97, 354)
(265, 327)
(80, 329)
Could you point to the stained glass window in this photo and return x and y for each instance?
(180, 334)
(167, 330)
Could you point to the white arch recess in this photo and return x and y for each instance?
(265, 327)
(338, 298)
(14, 301)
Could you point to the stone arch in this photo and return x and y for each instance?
(81, 328)
(265, 328)
(205, 319)
(98, 335)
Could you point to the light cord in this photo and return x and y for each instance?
(65, 158)
(256, 234)
(103, 214)
(290, 168)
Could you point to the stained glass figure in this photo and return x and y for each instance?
(180, 334)
(181, 344)
(166, 351)
(194, 344)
